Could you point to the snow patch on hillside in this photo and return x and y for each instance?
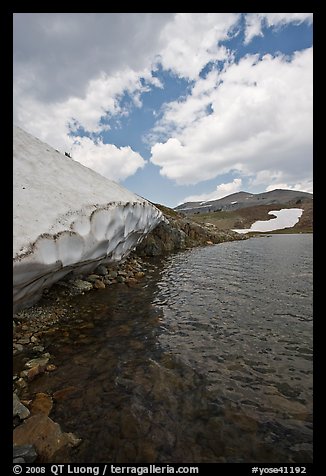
(285, 218)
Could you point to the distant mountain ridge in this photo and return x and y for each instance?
(244, 200)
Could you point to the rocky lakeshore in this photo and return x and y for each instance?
(36, 437)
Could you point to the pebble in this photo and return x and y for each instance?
(82, 285)
(21, 383)
(18, 347)
(38, 361)
(38, 348)
(24, 454)
(23, 341)
(93, 278)
(99, 284)
(50, 367)
(101, 270)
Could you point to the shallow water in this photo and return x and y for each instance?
(208, 359)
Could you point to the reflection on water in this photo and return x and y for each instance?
(209, 359)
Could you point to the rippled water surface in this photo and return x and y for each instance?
(208, 359)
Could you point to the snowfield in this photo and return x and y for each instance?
(285, 218)
(67, 218)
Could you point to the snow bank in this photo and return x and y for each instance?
(285, 218)
(67, 218)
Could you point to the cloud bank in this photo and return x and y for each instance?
(252, 117)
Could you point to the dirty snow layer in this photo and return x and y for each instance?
(67, 218)
(285, 218)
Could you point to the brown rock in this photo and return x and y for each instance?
(41, 361)
(20, 383)
(139, 275)
(34, 371)
(44, 434)
(42, 403)
(99, 284)
(64, 393)
(148, 452)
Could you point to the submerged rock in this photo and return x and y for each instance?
(45, 435)
(42, 403)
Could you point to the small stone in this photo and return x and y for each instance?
(101, 270)
(50, 367)
(131, 281)
(35, 367)
(18, 347)
(19, 409)
(35, 340)
(82, 285)
(139, 275)
(64, 393)
(38, 348)
(23, 341)
(120, 279)
(209, 243)
(33, 372)
(92, 277)
(42, 403)
(99, 284)
(73, 439)
(20, 383)
(42, 361)
(112, 274)
(44, 434)
(25, 452)
(122, 273)
(27, 403)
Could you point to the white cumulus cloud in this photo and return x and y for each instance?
(190, 41)
(116, 163)
(255, 21)
(255, 115)
(72, 70)
(221, 191)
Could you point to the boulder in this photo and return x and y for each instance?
(44, 434)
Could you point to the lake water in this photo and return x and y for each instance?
(209, 359)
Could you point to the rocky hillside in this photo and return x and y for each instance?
(181, 232)
(245, 217)
(240, 200)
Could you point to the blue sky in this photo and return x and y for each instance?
(173, 106)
